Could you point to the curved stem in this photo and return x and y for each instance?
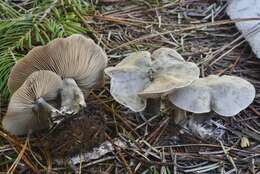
(42, 107)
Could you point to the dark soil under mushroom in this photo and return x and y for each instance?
(77, 134)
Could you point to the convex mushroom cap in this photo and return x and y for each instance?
(75, 57)
(142, 75)
(225, 95)
(21, 116)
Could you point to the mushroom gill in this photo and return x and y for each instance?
(76, 58)
(28, 108)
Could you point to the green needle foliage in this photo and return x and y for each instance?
(37, 22)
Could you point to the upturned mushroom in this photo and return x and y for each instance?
(29, 108)
(77, 59)
(142, 76)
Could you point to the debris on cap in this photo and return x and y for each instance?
(141, 76)
(171, 72)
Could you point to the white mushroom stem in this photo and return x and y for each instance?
(179, 115)
(199, 118)
(72, 98)
(153, 107)
(42, 106)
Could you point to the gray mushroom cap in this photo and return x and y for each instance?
(225, 95)
(128, 78)
(137, 77)
(171, 72)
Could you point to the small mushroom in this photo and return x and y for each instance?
(142, 76)
(77, 59)
(29, 108)
(225, 95)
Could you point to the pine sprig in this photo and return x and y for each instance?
(22, 28)
(7, 11)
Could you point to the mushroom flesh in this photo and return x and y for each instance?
(72, 98)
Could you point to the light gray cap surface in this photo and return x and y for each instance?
(171, 72)
(142, 75)
(225, 95)
(128, 78)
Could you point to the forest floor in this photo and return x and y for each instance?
(202, 33)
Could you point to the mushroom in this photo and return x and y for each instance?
(29, 108)
(225, 95)
(142, 76)
(77, 59)
(169, 71)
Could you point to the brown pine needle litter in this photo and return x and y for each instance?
(202, 33)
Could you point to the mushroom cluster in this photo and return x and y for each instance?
(77, 59)
(142, 76)
(66, 68)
